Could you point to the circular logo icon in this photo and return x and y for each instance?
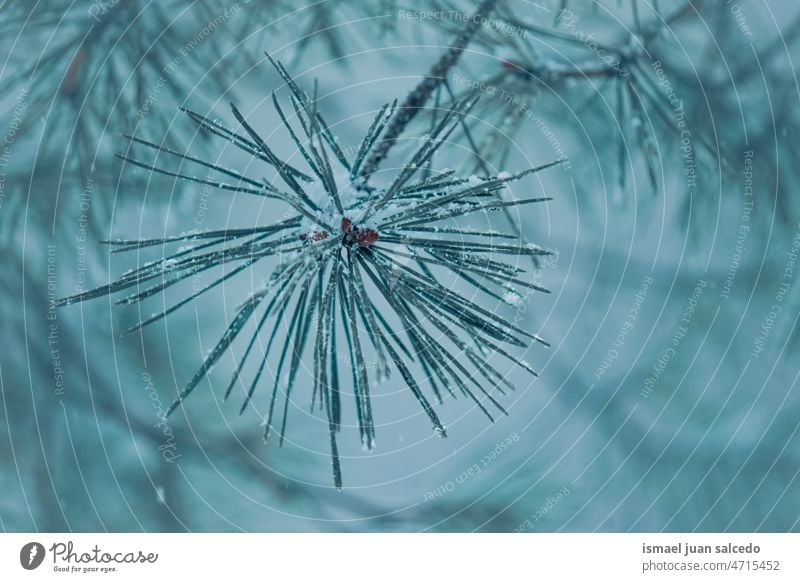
(31, 555)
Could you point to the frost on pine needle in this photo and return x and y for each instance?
(359, 272)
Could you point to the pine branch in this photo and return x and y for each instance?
(420, 95)
(342, 261)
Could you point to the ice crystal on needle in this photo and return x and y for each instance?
(353, 260)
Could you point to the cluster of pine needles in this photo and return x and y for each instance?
(351, 261)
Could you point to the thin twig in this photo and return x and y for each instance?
(420, 95)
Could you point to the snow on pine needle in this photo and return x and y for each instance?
(354, 260)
